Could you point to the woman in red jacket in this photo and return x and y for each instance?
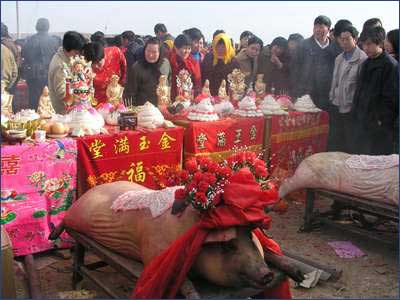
(179, 59)
(105, 63)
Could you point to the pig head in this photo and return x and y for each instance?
(230, 258)
(235, 261)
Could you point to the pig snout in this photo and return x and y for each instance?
(259, 278)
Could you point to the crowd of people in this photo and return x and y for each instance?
(352, 76)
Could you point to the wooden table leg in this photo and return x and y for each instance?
(79, 260)
(309, 211)
(33, 279)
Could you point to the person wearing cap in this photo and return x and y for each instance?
(248, 58)
(37, 53)
(314, 64)
(273, 63)
(219, 62)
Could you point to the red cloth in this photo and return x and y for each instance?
(128, 155)
(165, 274)
(237, 132)
(190, 64)
(296, 136)
(115, 63)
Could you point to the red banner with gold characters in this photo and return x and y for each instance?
(128, 155)
(217, 139)
(295, 136)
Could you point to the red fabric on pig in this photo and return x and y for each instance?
(244, 203)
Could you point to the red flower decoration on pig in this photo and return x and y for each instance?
(204, 180)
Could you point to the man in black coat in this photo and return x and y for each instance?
(376, 98)
(314, 63)
(37, 53)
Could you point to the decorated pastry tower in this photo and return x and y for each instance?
(45, 108)
(203, 110)
(237, 86)
(247, 106)
(79, 98)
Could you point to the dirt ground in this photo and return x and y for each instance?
(374, 275)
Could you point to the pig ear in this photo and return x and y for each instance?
(221, 235)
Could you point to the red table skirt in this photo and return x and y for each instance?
(128, 155)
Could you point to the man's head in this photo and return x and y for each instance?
(373, 22)
(372, 41)
(42, 25)
(128, 37)
(254, 46)
(322, 24)
(160, 30)
(279, 46)
(348, 38)
(294, 40)
(73, 43)
(339, 26)
(197, 38)
(183, 45)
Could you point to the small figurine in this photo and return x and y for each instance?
(114, 91)
(45, 108)
(237, 86)
(6, 100)
(222, 95)
(206, 88)
(259, 88)
(163, 92)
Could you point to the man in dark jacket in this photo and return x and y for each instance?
(37, 54)
(314, 64)
(375, 100)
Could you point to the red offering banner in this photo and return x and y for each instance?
(128, 155)
(295, 136)
(217, 139)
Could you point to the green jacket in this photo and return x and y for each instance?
(9, 69)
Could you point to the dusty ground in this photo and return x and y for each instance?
(373, 276)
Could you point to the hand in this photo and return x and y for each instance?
(276, 61)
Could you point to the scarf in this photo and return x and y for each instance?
(229, 52)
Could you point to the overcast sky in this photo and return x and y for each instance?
(264, 18)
